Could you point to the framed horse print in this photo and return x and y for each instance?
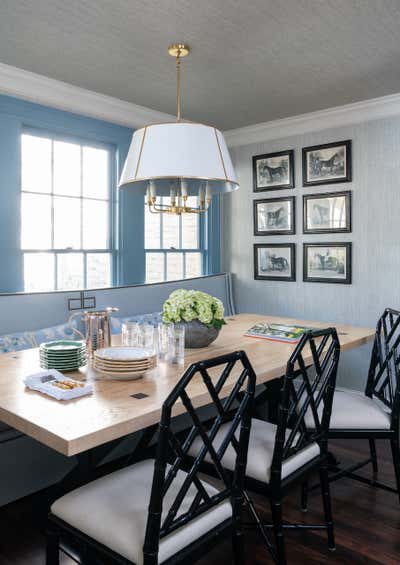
(273, 171)
(329, 212)
(327, 164)
(275, 261)
(327, 262)
(274, 216)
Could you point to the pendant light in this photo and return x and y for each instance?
(178, 159)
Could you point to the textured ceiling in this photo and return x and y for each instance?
(251, 61)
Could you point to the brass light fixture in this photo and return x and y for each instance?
(179, 159)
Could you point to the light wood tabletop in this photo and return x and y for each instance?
(111, 412)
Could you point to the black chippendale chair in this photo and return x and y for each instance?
(285, 454)
(375, 413)
(160, 510)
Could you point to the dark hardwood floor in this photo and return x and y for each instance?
(367, 525)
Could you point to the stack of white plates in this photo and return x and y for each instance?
(124, 362)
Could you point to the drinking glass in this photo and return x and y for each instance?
(163, 330)
(130, 334)
(176, 344)
(146, 336)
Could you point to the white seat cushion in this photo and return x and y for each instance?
(113, 511)
(261, 449)
(353, 410)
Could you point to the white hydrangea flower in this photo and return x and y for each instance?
(187, 305)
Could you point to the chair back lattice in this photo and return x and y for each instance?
(384, 371)
(307, 392)
(229, 382)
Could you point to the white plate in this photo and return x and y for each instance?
(122, 353)
(121, 376)
(131, 364)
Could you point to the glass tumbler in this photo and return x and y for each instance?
(130, 331)
(176, 344)
(146, 336)
(163, 330)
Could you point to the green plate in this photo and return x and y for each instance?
(62, 353)
(63, 361)
(62, 345)
(62, 357)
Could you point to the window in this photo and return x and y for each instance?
(173, 244)
(65, 214)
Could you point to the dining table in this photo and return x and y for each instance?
(118, 408)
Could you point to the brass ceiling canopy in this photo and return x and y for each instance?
(178, 50)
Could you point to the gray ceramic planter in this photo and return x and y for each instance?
(198, 335)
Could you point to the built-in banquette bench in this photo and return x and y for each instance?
(26, 320)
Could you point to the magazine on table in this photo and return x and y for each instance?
(278, 332)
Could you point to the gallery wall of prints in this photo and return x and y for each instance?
(323, 213)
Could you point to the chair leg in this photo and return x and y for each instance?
(396, 462)
(372, 449)
(304, 497)
(238, 547)
(237, 532)
(326, 500)
(52, 547)
(276, 509)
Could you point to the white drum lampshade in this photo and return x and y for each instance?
(179, 151)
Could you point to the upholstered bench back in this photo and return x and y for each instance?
(25, 340)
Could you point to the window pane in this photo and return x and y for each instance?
(69, 271)
(174, 266)
(98, 270)
(36, 163)
(67, 168)
(38, 271)
(170, 231)
(190, 231)
(95, 172)
(35, 221)
(154, 267)
(95, 224)
(193, 265)
(151, 229)
(67, 223)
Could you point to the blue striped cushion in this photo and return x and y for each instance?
(154, 318)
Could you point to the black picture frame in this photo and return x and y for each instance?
(347, 174)
(322, 196)
(326, 279)
(289, 153)
(290, 231)
(275, 277)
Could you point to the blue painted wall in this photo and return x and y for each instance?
(17, 114)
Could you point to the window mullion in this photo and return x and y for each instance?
(55, 271)
(52, 194)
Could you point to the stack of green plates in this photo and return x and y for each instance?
(62, 355)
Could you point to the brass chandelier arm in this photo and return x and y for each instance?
(177, 209)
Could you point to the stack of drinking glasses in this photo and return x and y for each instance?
(138, 335)
(168, 341)
(171, 343)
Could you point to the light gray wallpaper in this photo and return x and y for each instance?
(375, 236)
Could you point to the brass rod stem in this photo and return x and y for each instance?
(178, 94)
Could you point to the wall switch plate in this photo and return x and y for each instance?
(89, 302)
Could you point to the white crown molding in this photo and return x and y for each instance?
(57, 94)
(374, 109)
